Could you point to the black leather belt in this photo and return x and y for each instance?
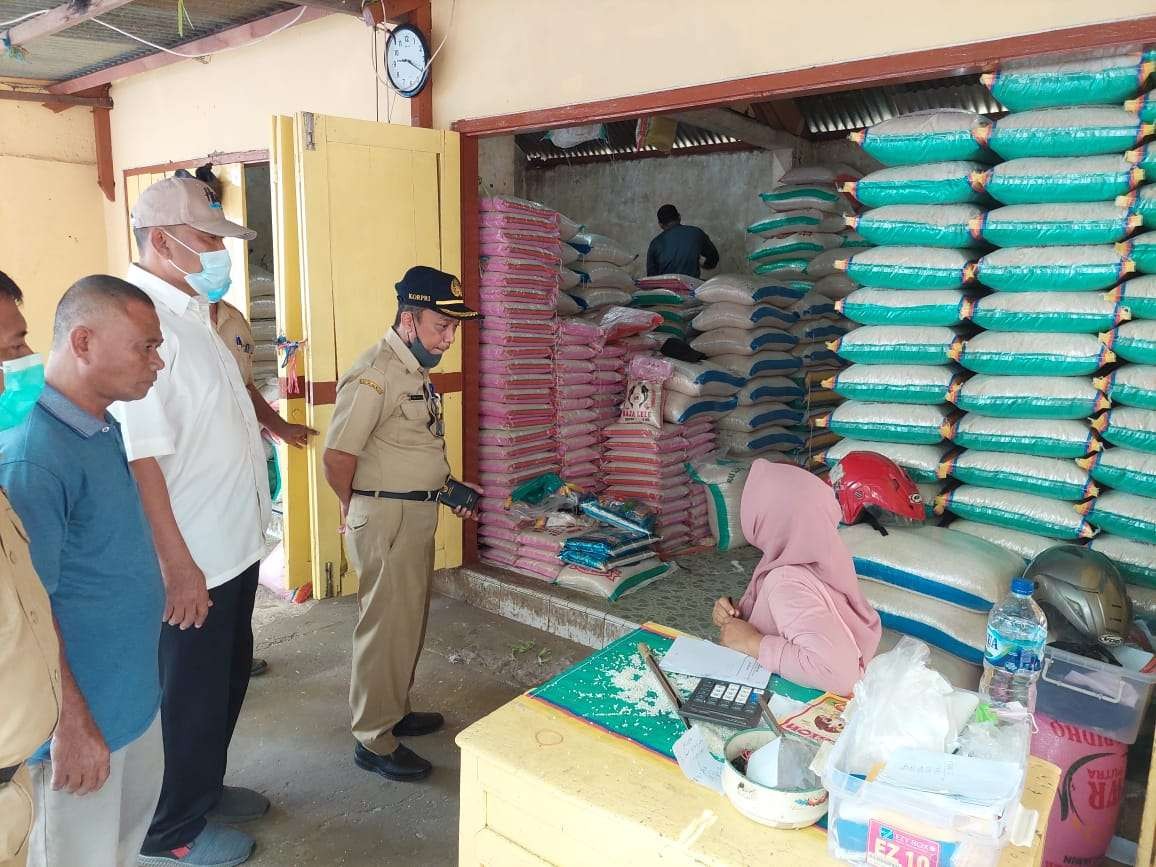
(418, 496)
(6, 774)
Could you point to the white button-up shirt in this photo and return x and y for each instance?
(198, 422)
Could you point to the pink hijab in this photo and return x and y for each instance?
(793, 517)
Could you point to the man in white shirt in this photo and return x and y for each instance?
(195, 448)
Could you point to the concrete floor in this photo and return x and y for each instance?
(293, 741)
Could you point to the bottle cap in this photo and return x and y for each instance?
(1023, 586)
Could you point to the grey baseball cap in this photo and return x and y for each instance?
(185, 202)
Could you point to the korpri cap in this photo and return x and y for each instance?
(185, 202)
(436, 290)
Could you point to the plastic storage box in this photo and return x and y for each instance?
(1096, 695)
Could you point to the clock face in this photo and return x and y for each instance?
(406, 55)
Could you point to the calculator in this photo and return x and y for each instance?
(730, 704)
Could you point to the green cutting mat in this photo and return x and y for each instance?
(613, 690)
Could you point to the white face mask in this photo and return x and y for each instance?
(213, 280)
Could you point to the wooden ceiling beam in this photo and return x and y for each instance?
(380, 11)
(58, 19)
(786, 111)
(55, 99)
(343, 7)
(726, 122)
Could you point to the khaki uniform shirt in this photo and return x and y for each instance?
(234, 330)
(29, 673)
(387, 414)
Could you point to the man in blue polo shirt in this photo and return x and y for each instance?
(98, 779)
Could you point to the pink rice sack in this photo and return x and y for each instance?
(522, 250)
(529, 236)
(514, 205)
(537, 569)
(566, 405)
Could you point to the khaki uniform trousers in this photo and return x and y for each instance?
(390, 544)
(15, 819)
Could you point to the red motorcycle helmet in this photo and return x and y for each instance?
(875, 489)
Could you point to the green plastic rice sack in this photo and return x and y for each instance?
(912, 307)
(1057, 397)
(1076, 131)
(1129, 427)
(943, 183)
(895, 383)
(1123, 514)
(888, 422)
(784, 269)
(1055, 225)
(918, 225)
(793, 197)
(797, 245)
(1059, 312)
(1142, 251)
(1011, 353)
(1055, 478)
(920, 462)
(935, 562)
(1124, 470)
(1034, 180)
(1135, 560)
(1131, 385)
(898, 344)
(1143, 105)
(801, 220)
(1138, 295)
(1028, 513)
(1142, 203)
(1136, 341)
(924, 137)
(1026, 545)
(1054, 269)
(1024, 436)
(909, 268)
(1097, 81)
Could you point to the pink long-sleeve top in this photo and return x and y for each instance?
(818, 629)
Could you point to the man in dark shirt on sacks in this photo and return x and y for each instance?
(679, 249)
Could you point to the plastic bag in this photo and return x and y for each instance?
(644, 391)
(619, 322)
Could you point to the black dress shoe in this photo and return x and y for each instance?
(415, 724)
(403, 764)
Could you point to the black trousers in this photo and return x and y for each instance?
(204, 677)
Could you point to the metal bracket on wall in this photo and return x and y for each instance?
(307, 119)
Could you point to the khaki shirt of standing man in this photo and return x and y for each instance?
(29, 650)
(385, 459)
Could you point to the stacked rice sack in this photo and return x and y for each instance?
(521, 254)
(597, 274)
(672, 297)
(1055, 321)
(911, 300)
(578, 423)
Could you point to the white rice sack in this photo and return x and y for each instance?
(778, 389)
(909, 268)
(568, 279)
(888, 422)
(1066, 312)
(567, 228)
(682, 408)
(814, 330)
(1079, 268)
(1129, 427)
(823, 173)
(1060, 179)
(1016, 511)
(1025, 436)
(1124, 470)
(1058, 224)
(956, 630)
(724, 481)
(1124, 515)
(1069, 397)
(797, 220)
(1136, 341)
(615, 583)
(600, 296)
(727, 315)
(760, 442)
(924, 137)
(824, 264)
(1055, 478)
(813, 305)
(1030, 84)
(599, 248)
(921, 463)
(1025, 545)
(1139, 296)
(569, 255)
(1014, 353)
(938, 183)
(1136, 560)
(602, 274)
(739, 341)
(943, 564)
(930, 307)
(797, 245)
(568, 305)
(957, 672)
(899, 344)
(1131, 385)
(835, 286)
(820, 197)
(919, 225)
(896, 383)
(741, 289)
(1071, 131)
(752, 418)
(699, 379)
(765, 363)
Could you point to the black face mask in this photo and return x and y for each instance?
(427, 359)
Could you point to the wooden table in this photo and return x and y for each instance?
(539, 787)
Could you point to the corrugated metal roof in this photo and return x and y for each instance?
(89, 47)
(854, 109)
(617, 142)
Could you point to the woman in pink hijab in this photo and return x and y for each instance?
(803, 615)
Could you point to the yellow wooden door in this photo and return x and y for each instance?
(374, 200)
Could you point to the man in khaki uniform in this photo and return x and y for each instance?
(29, 650)
(385, 459)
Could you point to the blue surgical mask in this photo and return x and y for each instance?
(428, 360)
(23, 383)
(213, 280)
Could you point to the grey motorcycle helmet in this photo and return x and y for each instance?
(1086, 589)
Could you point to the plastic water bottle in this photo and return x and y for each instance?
(1017, 631)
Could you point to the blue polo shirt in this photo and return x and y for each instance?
(67, 477)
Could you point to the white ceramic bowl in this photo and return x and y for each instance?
(777, 808)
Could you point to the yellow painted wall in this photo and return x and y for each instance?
(512, 55)
(52, 226)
